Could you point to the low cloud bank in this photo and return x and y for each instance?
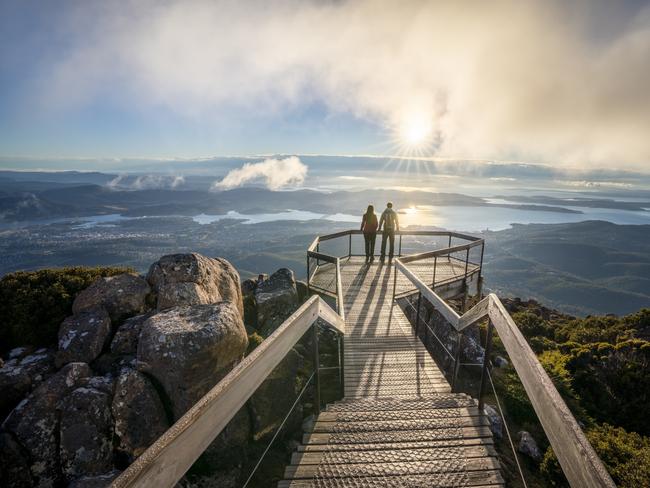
(275, 173)
(146, 182)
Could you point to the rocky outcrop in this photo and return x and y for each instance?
(189, 349)
(121, 296)
(276, 299)
(139, 414)
(82, 336)
(86, 433)
(124, 372)
(192, 279)
(35, 421)
(528, 446)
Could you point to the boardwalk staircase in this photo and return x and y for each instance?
(402, 420)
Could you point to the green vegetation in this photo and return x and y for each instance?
(601, 367)
(34, 303)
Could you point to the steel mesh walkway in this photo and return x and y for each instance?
(399, 425)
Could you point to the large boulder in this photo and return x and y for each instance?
(82, 336)
(276, 299)
(193, 279)
(125, 340)
(35, 422)
(19, 376)
(189, 349)
(121, 295)
(138, 412)
(86, 433)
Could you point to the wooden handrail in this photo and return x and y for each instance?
(440, 252)
(168, 459)
(580, 463)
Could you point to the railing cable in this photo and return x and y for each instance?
(505, 424)
(284, 421)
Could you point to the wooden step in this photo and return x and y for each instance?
(397, 435)
(370, 416)
(434, 466)
(475, 479)
(442, 443)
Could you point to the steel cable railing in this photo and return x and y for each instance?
(576, 456)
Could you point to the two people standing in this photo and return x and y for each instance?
(370, 227)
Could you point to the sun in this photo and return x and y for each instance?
(415, 131)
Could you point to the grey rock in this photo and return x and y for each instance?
(82, 336)
(496, 422)
(15, 383)
(528, 446)
(86, 433)
(138, 412)
(248, 286)
(19, 375)
(126, 338)
(98, 481)
(500, 362)
(303, 291)
(14, 463)
(18, 352)
(229, 448)
(121, 295)
(193, 279)
(105, 384)
(35, 421)
(189, 349)
(276, 299)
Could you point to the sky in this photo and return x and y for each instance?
(553, 82)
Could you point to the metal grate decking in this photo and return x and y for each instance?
(398, 424)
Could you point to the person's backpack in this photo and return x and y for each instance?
(389, 219)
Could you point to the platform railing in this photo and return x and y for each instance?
(578, 460)
(167, 460)
(316, 258)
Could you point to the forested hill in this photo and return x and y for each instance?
(590, 267)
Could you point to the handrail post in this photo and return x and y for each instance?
(399, 251)
(308, 278)
(449, 240)
(457, 361)
(417, 314)
(316, 361)
(350, 245)
(486, 364)
(435, 265)
(394, 281)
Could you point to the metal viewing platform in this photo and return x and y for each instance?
(402, 420)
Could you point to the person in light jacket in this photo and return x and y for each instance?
(390, 224)
(369, 229)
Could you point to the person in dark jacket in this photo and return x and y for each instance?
(369, 229)
(390, 223)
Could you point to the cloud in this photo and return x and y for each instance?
(275, 173)
(146, 182)
(554, 81)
